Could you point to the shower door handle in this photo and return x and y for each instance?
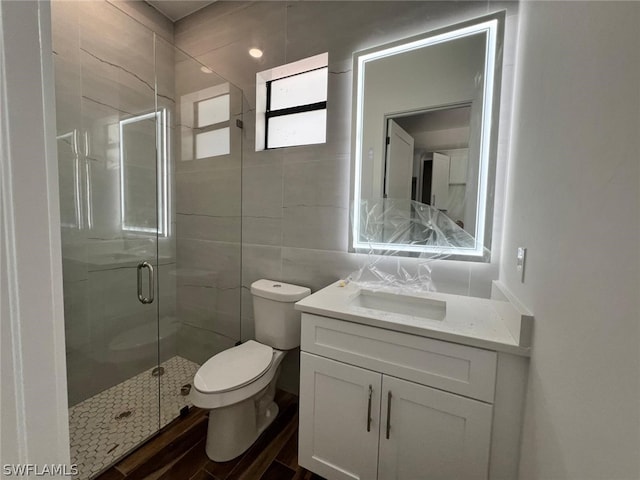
(152, 282)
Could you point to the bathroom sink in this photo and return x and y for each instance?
(426, 308)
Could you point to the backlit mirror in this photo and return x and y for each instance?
(425, 130)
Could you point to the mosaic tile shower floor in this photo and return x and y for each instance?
(102, 431)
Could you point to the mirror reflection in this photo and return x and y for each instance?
(427, 160)
(425, 122)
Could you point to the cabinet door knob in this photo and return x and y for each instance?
(369, 409)
(388, 413)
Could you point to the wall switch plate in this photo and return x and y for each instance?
(520, 261)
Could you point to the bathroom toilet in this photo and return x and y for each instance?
(238, 385)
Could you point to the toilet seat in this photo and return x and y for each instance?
(234, 368)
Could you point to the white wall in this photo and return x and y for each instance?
(33, 382)
(573, 202)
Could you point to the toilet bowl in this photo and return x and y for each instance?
(238, 385)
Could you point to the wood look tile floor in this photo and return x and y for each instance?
(178, 452)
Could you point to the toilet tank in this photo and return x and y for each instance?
(276, 322)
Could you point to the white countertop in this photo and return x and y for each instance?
(499, 324)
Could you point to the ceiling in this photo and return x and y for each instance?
(177, 9)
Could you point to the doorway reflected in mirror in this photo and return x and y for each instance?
(427, 160)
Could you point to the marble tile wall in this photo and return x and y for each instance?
(295, 201)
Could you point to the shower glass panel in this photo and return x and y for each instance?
(150, 169)
(201, 291)
(108, 134)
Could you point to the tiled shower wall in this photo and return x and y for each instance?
(295, 201)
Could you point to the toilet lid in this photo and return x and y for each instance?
(234, 368)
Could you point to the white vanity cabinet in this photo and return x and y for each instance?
(337, 440)
(431, 434)
(381, 404)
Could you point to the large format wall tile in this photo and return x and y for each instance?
(342, 28)
(223, 23)
(147, 15)
(108, 84)
(316, 227)
(247, 327)
(259, 262)
(320, 183)
(198, 345)
(205, 262)
(205, 227)
(209, 192)
(262, 230)
(107, 35)
(317, 268)
(210, 308)
(262, 192)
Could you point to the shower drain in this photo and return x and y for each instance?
(125, 414)
(157, 372)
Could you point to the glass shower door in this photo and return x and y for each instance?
(110, 136)
(202, 291)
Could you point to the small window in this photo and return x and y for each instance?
(291, 106)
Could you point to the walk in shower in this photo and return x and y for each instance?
(149, 154)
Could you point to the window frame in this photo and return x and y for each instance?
(309, 107)
(304, 65)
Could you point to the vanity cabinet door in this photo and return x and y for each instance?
(339, 419)
(432, 435)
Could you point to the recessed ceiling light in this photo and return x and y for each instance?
(204, 69)
(255, 52)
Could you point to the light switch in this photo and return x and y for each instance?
(520, 261)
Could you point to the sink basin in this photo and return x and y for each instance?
(426, 308)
